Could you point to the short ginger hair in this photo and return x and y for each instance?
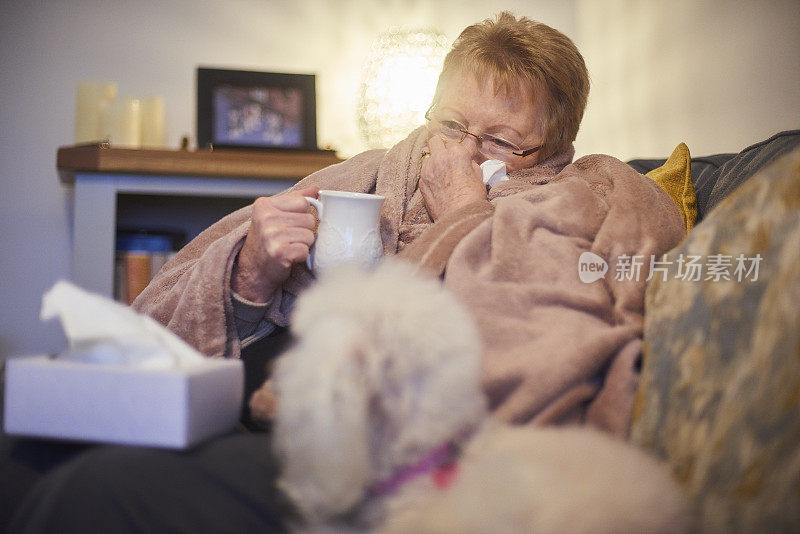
(510, 50)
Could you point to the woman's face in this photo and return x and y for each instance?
(513, 117)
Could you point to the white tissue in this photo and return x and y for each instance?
(494, 171)
(100, 330)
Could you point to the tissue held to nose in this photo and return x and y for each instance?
(494, 171)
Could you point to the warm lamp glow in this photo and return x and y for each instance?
(398, 84)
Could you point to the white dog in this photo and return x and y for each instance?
(380, 395)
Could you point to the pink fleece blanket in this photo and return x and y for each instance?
(557, 350)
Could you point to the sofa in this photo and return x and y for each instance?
(719, 393)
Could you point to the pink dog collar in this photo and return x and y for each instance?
(441, 462)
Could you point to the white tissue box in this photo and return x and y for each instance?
(172, 408)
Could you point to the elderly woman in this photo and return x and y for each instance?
(557, 349)
(514, 91)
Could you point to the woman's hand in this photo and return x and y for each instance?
(449, 178)
(281, 233)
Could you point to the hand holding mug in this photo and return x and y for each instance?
(280, 235)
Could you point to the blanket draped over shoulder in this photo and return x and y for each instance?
(557, 350)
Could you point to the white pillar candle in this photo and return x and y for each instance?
(153, 122)
(120, 123)
(92, 96)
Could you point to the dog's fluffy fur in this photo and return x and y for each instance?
(553, 481)
(385, 369)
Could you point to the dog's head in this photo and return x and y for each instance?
(385, 368)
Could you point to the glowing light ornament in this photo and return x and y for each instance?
(399, 79)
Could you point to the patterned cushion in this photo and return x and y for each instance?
(719, 397)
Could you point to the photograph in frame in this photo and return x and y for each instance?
(250, 109)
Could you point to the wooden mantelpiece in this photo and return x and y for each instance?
(102, 177)
(261, 164)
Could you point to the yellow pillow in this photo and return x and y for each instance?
(675, 177)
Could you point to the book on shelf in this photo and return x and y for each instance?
(139, 255)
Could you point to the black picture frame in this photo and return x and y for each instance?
(256, 110)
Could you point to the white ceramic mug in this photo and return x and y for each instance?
(348, 230)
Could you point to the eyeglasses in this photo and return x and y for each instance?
(489, 145)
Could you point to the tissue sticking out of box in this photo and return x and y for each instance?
(100, 330)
